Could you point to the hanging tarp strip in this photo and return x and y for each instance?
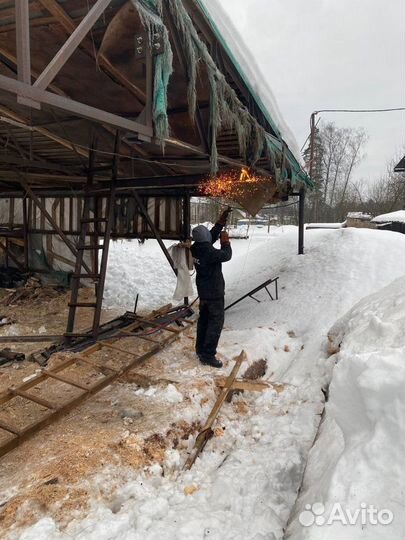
(150, 12)
(226, 110)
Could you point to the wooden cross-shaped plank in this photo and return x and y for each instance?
(206, 433)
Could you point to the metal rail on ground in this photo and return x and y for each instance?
(257, 289)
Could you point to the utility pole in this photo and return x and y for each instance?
(311, 162)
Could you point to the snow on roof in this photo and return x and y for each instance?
(250, 71)
(359, 215)
(324, 225)
(398, 217)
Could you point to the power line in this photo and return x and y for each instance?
(360, 110)
(392, 109)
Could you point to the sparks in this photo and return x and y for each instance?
(233, 184)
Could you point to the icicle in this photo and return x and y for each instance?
(150, 12)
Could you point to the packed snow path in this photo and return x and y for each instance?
(247, 480)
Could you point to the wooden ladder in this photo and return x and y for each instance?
(108, 374)
(100, 269)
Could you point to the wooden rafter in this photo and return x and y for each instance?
(43, 131)
(23, 41)
(69, 26)
(69, 105)
(75, 38)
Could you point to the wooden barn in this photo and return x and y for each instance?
(113, 115)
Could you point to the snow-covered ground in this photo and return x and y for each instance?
(357, 466)
(245, 485)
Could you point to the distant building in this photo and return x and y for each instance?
(401, 166)
(359, 220)
(393, 221)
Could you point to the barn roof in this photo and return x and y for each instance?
(65, 87)
(401, 166)
(391, 217)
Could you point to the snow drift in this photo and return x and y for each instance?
(358, 461)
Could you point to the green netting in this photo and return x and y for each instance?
(150, 12)
(226, 110)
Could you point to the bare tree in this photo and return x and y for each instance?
(340, 151)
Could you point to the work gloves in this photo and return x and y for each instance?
(224, 217)
(224, 238)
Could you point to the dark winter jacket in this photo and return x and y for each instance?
(208, 263)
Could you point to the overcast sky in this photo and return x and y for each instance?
(319, 54)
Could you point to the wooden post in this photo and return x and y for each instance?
(153, 228)
(107, 236)
(26, 235)
(47, 215)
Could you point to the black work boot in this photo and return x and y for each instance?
(211, 361)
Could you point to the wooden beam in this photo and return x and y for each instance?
(10, 429)
(39, 21)
(66, 51)
(22, 15)
(26, 162)
(69, 26)
(43, 131)
(154, 229)
(80, 109)
(48, 216)
(36, 399)
(23, 41)
(13, 59)
(251, 386)
(12, 257)
(206, 432)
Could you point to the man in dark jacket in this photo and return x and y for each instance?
(211, 287)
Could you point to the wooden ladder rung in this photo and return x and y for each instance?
(30, 397)
(65, 380)
(8, 428)
(146, 338)
(117, 349)
(96, 365)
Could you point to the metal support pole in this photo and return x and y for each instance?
(186, 217)
(186, 226)
(301, 222)
(311, 163)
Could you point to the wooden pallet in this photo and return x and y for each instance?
(108, 375)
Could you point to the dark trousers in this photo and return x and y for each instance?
(209, 327)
